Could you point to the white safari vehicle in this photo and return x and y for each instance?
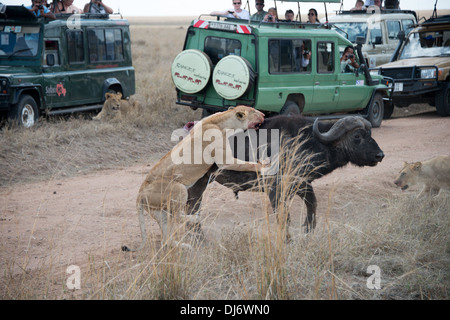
(380, 28)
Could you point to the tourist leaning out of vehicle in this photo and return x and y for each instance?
(260, 13)
(271, 16)
(66, 6)
(312, 16)
(359, 5)
(348, 62)
(236, 12)
(289, 16)
(39, 10)
(97, 6)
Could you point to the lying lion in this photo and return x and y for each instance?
(115, 107)
(164, 192)
(433, 173)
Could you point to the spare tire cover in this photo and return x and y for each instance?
(232, 77)
(191, 70)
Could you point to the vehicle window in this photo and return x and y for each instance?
(427, 44)
(105, 45)
(393, 29)
(351, 30)
(375, 34)
(75, 46)
(217, 48)
(20, 41)
(407, 25)
(325, 57)
(288, 56)
(51, 48)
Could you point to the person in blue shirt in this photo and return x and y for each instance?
(40, 10)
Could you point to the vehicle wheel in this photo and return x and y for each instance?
(232, 77)
(376, 111)
(442, 100)
(290, 108)
(388, 111)
(191, 71)
(25, 112)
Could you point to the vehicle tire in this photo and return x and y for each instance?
(290, 108)
(442, 100)
(388, 111)
(191, 71)
(25, 112)
(232, 77)
(376, 111)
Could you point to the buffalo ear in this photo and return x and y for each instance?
(417, 166)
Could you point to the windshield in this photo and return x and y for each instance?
(19, 41)
(352, 29)
(427, 44)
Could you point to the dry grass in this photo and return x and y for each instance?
(82, 145)
(405, 237)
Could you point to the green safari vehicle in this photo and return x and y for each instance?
(61, 66)
(226, 62)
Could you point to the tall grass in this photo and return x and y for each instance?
(405, 237)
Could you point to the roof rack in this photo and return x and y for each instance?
(437, 20)
(65, 16)
(277, 24)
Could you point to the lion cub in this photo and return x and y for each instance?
(433, 173)
(115, 107)
(164, 192)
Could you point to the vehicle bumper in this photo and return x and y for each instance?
(409, 83)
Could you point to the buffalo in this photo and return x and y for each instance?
(326, 146)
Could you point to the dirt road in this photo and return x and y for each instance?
(69, 221)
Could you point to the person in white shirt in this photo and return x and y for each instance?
(236, 12)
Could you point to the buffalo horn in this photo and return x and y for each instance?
(340, 128)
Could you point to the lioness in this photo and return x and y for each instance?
(164, 191)
(115, 107)
(433, 173)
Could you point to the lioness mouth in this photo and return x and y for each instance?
(255, 125)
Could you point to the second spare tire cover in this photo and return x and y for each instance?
(191, 70)
(232, 77)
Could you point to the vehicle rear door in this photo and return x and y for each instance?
(55, 80)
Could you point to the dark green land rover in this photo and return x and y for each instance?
(61, 66)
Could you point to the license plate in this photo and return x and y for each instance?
(398, 86)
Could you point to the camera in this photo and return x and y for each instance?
(306, 52)
(40, 7)
(350, 56)
(270, 18)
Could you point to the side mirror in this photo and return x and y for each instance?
(378, 40)
(50, 59)
(401, 35)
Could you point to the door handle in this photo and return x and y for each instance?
(316, 83)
